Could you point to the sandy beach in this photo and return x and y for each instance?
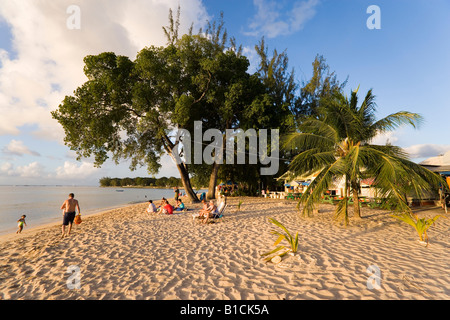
(126, 253)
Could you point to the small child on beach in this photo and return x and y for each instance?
(20, 223)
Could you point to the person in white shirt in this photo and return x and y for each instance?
(151, 207)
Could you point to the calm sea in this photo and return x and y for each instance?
(41, 203)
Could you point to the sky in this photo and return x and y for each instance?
(405, 60)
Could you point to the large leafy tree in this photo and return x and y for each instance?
(336, 145)
(131, 109)
(323, 84)
(243, 101)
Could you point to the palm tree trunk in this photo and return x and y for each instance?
(356, 209)
(347, 192)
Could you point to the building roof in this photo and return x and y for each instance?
(288, 175)
(440, 160)
(440, 163)
(439, 169)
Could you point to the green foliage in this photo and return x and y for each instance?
(336, 144)
(282, 250)
(420, 225)
(140, 182)
(127, 109)
(322, 84)
(239, 205)
(200, 179)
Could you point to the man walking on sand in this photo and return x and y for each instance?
(68, 208)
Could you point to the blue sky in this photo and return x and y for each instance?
(406, 63)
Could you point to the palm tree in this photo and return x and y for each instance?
(336, 145)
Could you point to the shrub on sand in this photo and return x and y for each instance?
(281, 250)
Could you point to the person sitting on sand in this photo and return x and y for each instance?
(167, 208)
(161, 205)
(20, 223)
(212, 210)
(202, 211)
(151, 207)
(180, 205)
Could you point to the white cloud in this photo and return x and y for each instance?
(46, 64)
(252, 57)
(271, 22)
(417, 151)
(48, 60)
(7, 169)
(72, 171)
(384, 138)
(16, 147)
(32, 170)
(427, 150)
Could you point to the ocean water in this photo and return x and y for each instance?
(41, 203)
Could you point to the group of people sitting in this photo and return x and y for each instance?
(165, 207)
(210, 210)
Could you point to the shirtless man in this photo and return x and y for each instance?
(68, 208)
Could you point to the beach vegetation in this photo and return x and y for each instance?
(162, 182)
(130, 109)
(239, 205)
(334, 143)
(420, 225)
(282, 250)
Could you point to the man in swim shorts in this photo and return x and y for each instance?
(68, 208)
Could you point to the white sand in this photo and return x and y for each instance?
(127, 254)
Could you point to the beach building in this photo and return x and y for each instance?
(295, 185)
(298, 184)
(441, 165)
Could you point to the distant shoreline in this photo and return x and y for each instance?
(41, 203)
(140, 187)
(149, 187)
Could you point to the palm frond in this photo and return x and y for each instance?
(320, 184)
(337, 144)
(395, 120)
(311, 161)
(304, 141)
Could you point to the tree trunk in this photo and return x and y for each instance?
(213, 178)
(356, 208)
(347, 192)
(184, 175)
(212, 182)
